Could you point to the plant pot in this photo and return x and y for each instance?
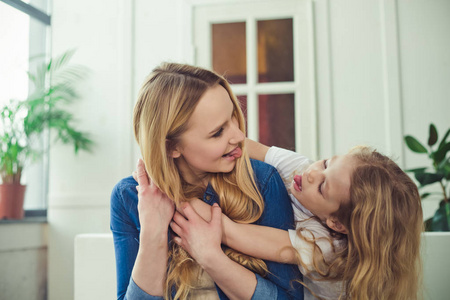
(11, 201)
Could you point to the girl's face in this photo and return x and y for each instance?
(211, 143)
(324, 185)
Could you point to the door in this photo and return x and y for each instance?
(265, 49)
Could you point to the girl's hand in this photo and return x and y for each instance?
(154, 207)
(201, 239)
(201, 208)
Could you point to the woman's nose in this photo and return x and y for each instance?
(237, 135)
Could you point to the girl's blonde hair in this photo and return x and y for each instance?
(384, 222)
(165, 104)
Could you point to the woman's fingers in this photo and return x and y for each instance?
(216, 218)
(177, 240)
(177, 229)
(179, 219)
(190, 213)
(142, 177)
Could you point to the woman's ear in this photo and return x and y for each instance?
(337, 226)
(176, 154)
(172, 149)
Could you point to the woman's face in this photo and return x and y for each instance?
(211, 143)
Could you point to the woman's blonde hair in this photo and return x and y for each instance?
(165, 104)
(384, 222)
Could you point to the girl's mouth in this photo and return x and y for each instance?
(298, 183)
(236, 153)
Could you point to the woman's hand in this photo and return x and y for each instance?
(201, 239)
(201, 208)
(155, 212)
(154, 207)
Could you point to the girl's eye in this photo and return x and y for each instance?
(325, 163)
(320, 187)
(218, 133)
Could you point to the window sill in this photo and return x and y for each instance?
(31, 216)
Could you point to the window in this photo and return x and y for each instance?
(24, 36)
(265, 49)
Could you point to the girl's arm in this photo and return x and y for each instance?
(264, 242)
(256, 150)
(202, 241)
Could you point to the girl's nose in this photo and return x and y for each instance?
(313, 175)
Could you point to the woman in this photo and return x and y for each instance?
(190, 130)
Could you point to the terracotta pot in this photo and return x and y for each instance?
(11, 201)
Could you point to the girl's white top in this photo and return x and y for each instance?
(288, 164)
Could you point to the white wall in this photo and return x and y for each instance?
(380, 74)
(23, 261)
(80, 186)
(120, 53)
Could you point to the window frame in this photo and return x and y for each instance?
(202, 14)
(37, 214)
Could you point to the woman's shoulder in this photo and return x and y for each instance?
(125, 190)
(262, 170)
(267, 175)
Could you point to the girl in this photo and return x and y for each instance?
(359, 222)
(190, 130)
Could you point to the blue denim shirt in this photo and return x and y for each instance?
(278, 284)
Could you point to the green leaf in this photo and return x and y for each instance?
(441, 153)
(444, 139)
(425, 195)
(428, 178)
(444, 167)
(433, 135)
(417, 170)
(439, 222)
(415, 145)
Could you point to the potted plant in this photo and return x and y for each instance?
(22, 124)
(438, 172)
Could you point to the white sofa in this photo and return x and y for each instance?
(95, 272)
(95, 267)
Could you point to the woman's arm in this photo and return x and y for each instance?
(135, 258)
(155, 213)
(202, 241)
(256, 150)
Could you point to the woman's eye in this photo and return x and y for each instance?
(218, 133)
(325, 163)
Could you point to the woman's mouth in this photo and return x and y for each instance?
(298, 183)
(232, 155)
